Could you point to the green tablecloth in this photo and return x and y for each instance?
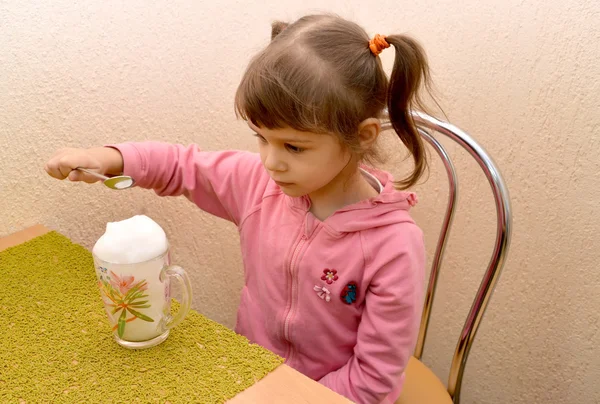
(56, 345)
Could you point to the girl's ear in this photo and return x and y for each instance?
(277, 27)
(368, 132)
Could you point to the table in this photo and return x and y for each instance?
(283, 385)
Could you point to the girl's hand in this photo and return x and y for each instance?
(104, 160)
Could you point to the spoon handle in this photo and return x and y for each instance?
(95, 174)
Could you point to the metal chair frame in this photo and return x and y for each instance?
(426, 125)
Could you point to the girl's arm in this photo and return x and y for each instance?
(390, 321)
(226, 184)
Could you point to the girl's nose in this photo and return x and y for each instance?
(273, 161)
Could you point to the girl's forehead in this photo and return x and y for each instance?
(287, 134)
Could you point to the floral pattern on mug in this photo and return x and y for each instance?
(103, 273)
(122, 294)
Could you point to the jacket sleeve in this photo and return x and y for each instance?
(226, 184)
(390, 321)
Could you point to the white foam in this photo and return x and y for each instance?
(124, 184)
(131, 241)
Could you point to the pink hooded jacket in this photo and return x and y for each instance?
(340, 299)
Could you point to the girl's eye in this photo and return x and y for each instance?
(294, 149)
(260, 138)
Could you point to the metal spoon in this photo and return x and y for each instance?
(118, 182)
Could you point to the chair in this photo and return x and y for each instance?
(421, 385)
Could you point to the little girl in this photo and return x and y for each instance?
(334, 264)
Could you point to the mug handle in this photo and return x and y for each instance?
(174, 271)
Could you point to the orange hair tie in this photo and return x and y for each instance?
(377, 44)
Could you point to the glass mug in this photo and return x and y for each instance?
(137, 299)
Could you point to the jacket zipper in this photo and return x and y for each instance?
(286, 324)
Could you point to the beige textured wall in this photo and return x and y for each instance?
(520, 76)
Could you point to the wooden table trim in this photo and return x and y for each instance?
(22, 236)
(282, 385)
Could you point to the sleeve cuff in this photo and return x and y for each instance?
(134, 165)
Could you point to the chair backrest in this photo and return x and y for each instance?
(428, 125)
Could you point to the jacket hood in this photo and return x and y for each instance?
(389, 207)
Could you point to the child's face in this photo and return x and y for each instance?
(301, 163)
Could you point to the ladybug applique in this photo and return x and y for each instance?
(349, 293)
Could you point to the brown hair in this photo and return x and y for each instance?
(318, 75)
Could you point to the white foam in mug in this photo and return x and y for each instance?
(134, 272)
(130, 241)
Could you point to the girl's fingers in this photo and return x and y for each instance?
(63, 164)
(76, 175)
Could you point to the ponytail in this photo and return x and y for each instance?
(409, 73)
(277, 27)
